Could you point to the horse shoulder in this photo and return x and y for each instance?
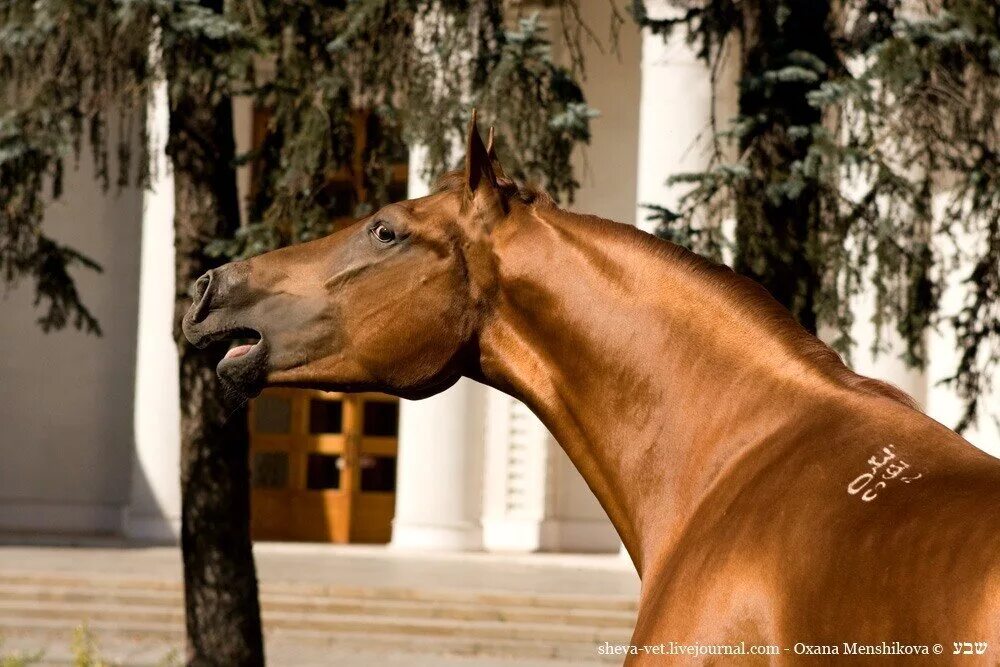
(784, 548)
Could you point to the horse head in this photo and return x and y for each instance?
(391, 303)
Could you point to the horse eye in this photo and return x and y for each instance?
(383, 233)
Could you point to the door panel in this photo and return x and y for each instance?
(323, 466)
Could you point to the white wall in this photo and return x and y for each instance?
(66, 397)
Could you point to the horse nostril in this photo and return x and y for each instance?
(200, 296)
(201, 286)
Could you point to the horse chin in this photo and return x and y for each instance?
(244, 375)
(427, 390)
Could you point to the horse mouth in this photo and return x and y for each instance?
(243, 343)
(244, 366)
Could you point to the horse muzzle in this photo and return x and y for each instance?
(220, 312)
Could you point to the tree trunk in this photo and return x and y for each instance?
(776, 235)
(220, 583)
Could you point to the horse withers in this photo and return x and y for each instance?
(769, 497)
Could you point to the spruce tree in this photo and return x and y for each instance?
(865, 154)
(222, 615)
(68, 69)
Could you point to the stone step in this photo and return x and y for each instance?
(598, 603)
(285, 602)
(134, 642)
(310, 621)
(325, 622)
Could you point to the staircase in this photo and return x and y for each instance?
(140, 620)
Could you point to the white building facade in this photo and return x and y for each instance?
(89, 434)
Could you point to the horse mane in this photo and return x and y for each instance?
(757, 302)
(753, 301)
(454, 181)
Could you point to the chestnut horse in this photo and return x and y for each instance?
(766, 493)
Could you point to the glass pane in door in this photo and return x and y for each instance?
(269, 470)
(381, 418)
(272, 414)
(378, 473)
(323, 471)
(326, 416)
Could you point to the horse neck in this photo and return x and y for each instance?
(627, 356)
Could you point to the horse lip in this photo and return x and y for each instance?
(248, 372)
(253, 356)
(196, 335)
(202, 339)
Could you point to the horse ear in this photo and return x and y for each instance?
(491, 152)
(477, 161)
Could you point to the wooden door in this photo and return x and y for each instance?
(323, 466)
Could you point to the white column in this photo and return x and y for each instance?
(440, 464)
(942, 403)
(154, 509)
(675, 112)
(438, 495)
(518, 484)
(887, 364)
(583, 525)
